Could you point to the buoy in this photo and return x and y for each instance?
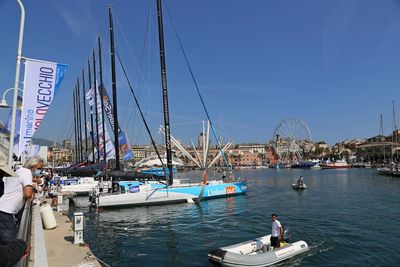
(48, 218)
(190, 201)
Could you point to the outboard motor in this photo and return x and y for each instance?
(287, 235)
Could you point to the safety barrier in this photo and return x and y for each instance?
(24, 230)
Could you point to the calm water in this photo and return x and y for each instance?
(348, 218)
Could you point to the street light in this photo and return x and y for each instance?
(17, 70)
(3, 101)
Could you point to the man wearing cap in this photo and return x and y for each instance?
(17, 187)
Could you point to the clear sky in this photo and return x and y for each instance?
(334, 64)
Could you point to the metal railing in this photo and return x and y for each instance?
(24, 230)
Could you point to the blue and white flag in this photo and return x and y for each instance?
(110, 150)
(42, 81)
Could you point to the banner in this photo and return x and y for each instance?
(41, 83)
(124, 146)
(110, 150)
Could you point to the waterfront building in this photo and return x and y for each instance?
(67, 144)
(140, 152)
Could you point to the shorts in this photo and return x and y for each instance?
(274, 241)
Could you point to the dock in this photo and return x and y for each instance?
(56, 247)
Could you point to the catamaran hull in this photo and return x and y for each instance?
(159, 196)
(254, 253)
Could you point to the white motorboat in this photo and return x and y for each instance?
(256, 253)
(79, 186)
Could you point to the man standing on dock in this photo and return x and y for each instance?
(277, 231)
(17, 187)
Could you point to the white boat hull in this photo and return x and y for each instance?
(255, 253)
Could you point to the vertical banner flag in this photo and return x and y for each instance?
(124, 146)
(42, 81)
(110, 151)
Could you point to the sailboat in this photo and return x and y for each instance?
(156, 192)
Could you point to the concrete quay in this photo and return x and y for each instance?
(55, 247)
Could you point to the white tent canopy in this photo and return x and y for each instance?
(151, 162)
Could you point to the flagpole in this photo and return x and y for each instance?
(17, 71)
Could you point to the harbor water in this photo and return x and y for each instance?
(348, 218)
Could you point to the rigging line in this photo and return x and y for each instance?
(125, 115)
(141, 114)
(63, 129)
(197, 87)
(142, 75)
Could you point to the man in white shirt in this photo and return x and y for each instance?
(17, 188)
(277, 231)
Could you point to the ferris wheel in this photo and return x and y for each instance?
(292, 139)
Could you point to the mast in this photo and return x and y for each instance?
(164, 91)
(114, 90)
(78, 99)
(395, 132)
(91, 113)
(101, 88)
(95, 107)
(84, 114)
(383, 139)
(75, 128)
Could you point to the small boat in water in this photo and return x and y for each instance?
(338, 164)
(298, 186)
(257, 252)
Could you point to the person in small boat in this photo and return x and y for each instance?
(300, 182)
(277, 232)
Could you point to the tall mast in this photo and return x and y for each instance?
(101, 88)
(75, 128)
(95, 107)
(78, 99)
(114, 90)
(84, 114)
(91, 113)
(395, 132)
(383, 139)
(164, 92)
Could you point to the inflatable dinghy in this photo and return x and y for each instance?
(257, 252)
(299, 186)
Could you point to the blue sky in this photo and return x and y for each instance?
(334, 64)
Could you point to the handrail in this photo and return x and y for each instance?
(24, 230)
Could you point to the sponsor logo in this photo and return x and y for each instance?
(230, 190)
(134, 189)
(216, 192)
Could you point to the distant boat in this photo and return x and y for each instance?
(309, 164)
(338, 164)
(299, 186)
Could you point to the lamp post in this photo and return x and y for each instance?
(17, 70)
(3, 101)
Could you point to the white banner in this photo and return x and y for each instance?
(110, 149)
(41, 83)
